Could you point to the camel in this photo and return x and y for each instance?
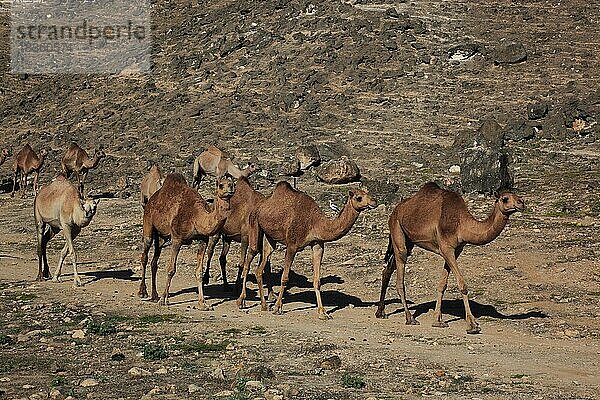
(151, 183)
(438, 220)
(27, 162)
(244, 200)
(215, 162)
(178, 212)
(59, 206)
(77, 160)
(293, 218)
(3, 155)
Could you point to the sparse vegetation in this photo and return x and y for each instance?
(202, 347)
(102, 328)
(155, 351)
(353, 381)
(157, 318)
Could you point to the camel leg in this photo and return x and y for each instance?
(290, 253)
(164, 300)
(35, 182)
(61, 260)
(12, 194)
(240, 266)
(253, 241)
(317, 260)
(48, 234)
(401, 255)
(269, 279)
(158, 243)
(450, 257)
(70, 235)
(39, 230)
(441, 289)
(210, 249)
(268, 248)
(223, 263)
(147, 242)
(200, 264)
(23, 184)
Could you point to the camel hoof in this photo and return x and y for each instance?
(474, 330)
(324, 316)
(56, 279)
(205, 279)
(77, 283)
(264, 307)
(278, 311)
(380, 314)
(143, 294)
(412, 322)
(163, 302)
(205, 307)
(241, 304)
(439, 324)
(154, 299)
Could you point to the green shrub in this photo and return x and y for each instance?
(353, 381)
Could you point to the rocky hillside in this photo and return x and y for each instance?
(389, 84)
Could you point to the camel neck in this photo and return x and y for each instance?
(482, 232)
(329, 230)
(207, 222)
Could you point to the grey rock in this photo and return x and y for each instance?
(484, 169)
(537, 110)
(519, 130)
(343, 170)
(308, 156)
(509, 53)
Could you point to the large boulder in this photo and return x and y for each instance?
(483, 159)
(343, 170)
(308, 156)
(509, 53)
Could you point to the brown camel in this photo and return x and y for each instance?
(215, 162)
(27, 162)
(3, 155)
(59, 206)
(293, 218)
(438, 220)
(77, 160)
(151, 183)
(178, 212)
(244, 200)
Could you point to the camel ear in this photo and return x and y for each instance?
(351, 193)
(497, 194)
(96, 201)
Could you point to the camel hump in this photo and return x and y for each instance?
(174, 179)
(214, 150)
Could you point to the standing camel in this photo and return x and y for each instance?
(27, 162)
(244, 200)
(178, 212)
(438, 220)
(59, 206)
(3, 155)
(151, 183)
(77, 160)
(293, 218)
(215, 162)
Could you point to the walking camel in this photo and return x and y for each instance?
(151, 183)
(293, 218)
(59, 206)
(244, 200)
(438, 220)
(215, 162)
(76, 160)
(178, 212)
(27, 162)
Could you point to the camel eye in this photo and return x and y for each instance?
(359, 198)
(505, 199)
(220, 186)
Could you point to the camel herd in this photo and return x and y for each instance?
(434, 219)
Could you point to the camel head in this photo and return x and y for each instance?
(5, 152)
(225, 188)
(99, 154)
(89, 207)
(360, 199)
(509, 203)
(43, 153)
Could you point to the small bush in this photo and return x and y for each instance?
(353, 381)
(5, 339)
(58, 381)
(102, 328)
(157, 318)
(202, 347)
(154, 351)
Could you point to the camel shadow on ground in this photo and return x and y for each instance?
(455, 308)
(123, 274)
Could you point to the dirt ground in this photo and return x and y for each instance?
(390, 91)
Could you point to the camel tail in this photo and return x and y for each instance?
(389, 254)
